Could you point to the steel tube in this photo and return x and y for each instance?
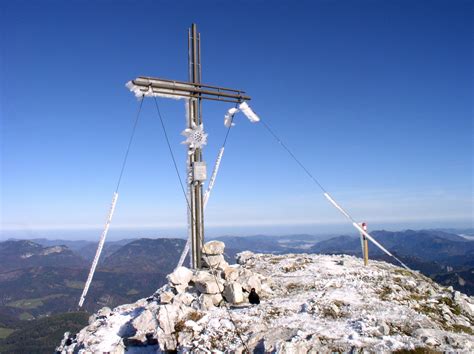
(191, 90)
(197, 84)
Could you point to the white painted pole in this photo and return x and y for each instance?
(99, 250)
(361, 230)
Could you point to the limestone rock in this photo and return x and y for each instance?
(231, 273)
(383, 328)
(214, 261)
(184, 298)
(166, 297)
(233, 293)
(167, 342)
(206, 302)
(181, 276)
(251, 282)
(207, 283)
(213, 248)
(167, 317)
(183, 315)
(243, 257)
(193, 325)
(145, 323)
(104, 311)
(180, 288)
(185, 338)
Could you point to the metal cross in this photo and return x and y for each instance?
(195, 92)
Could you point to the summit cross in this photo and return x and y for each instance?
(194, 91)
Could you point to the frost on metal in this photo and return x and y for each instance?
(99, 249)
(213, 176)
(195, 137)
(361, 230)
(249, 113)
(228, 118)
(139, 91)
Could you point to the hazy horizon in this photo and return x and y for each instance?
(118, 233)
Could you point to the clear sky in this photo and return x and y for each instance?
(374, 97)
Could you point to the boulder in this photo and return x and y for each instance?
(208, 284)
(167, 342)
(181, 288)
(213, 248)
(145, 323)
(104, 311)
(183, 298)
(231, 273)
(167, 317)
(166, 297)
(251, 282)
(181, 276)
(217, 299)
(206, 302)
(243, 257)
(214, 261)
(233, 293)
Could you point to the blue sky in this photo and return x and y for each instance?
(374, 97)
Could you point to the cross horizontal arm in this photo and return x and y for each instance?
(149, 85)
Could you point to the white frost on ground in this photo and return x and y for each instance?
(309, 302)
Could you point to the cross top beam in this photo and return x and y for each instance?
(156, 86)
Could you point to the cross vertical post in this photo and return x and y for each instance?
(194, 118)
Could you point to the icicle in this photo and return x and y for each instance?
(228, 117)
(244, 107)
(99, 249)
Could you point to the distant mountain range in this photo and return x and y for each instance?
(445, 248)
(26, 254)
(41, 278)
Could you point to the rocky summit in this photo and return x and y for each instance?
(309, 303)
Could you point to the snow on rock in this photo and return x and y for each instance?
(308, 303)
(181, 276)
(233, 293)
(213, 248)
(214, 261)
